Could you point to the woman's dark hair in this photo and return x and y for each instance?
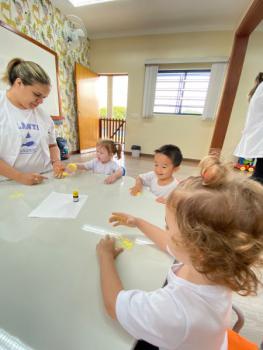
(258, 80)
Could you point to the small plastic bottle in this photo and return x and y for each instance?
(75, 196)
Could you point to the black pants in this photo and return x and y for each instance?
(143, 345)
(258, 172)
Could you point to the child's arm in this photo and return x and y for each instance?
(72, 167)
(110, 281)
(155, 233)
(81, 166)
(23, 178)
(137, 188)
(114, 177)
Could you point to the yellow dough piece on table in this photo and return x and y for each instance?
(64, 174)
(138, 193)
(16, 195)
(72, 167)
(125, 243)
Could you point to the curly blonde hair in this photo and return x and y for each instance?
(220, 217)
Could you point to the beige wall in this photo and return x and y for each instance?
(191, 134)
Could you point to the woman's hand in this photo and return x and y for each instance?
(58, 169)
(106, 247)
(122, 219)
(31, 178)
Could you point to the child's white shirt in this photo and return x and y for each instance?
(151, 180)
(98, 167)
(182, 315)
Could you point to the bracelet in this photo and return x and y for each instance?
(54, 161)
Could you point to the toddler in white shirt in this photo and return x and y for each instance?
(104, 163)
(218, 248)
(161, 181)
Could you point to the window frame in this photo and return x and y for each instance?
(205, 70)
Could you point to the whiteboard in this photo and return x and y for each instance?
(16, 44)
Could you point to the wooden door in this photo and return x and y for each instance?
(87, 106)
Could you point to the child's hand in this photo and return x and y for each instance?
(110, 179)
(135, 190)
(161, 200)
(106, 247)
(122, 219)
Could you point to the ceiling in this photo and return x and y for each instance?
(140, 17)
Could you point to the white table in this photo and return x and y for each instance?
(50, 290)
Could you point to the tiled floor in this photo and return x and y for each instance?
(252, 307)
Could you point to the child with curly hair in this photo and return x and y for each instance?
(214, 229)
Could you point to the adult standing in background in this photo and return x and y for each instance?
(251, 143)
(28, 146)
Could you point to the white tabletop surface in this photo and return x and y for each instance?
(50, 292)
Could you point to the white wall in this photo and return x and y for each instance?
(190, 133)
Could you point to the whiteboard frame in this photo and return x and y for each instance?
(35, 42)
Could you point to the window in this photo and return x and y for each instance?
(181, 91)
(119, 96)
(112, 92)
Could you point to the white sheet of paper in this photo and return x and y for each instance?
(58, 205)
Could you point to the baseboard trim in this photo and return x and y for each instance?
(74, 152)
(147, 155)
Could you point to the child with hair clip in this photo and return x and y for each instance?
(214, 229)
(161, 181)
(104, 163)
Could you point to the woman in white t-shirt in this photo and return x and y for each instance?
(161, 181)
(218, 248)
(104, 162)
(251, 143)
(28, 145)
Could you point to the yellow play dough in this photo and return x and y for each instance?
(72, 166)
(16, 195)
(126, 243)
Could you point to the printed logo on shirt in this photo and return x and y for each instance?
(30, 139)
(27, 126)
